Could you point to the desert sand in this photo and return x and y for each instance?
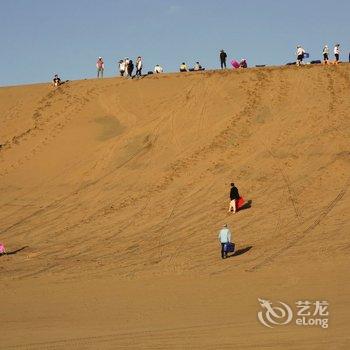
(113, 192)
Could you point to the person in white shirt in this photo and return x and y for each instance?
(197, 67)
(126, 62)
(183, 67)
(300, 55)
(336, 53)
(121, 67)
(138, 65)
(224, 238)
(158, 69)
(325, 53)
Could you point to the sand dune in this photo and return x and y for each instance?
(115, 189)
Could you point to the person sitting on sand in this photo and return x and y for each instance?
(56, 81)
(197, 67)
(243, 63)
(234, 196)
(158, 69)
(183, 67)
(224, 238)
(300, 55)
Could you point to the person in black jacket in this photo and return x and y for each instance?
(223, 57)
(234, 195)
(130, 68)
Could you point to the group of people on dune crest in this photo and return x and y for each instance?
(126, 66)
(301, 54)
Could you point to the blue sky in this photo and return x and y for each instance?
(41, 37)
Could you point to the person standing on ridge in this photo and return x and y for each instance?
(224, 238)
(138, 65)
(100, 67)
(223, 57)
(126, 62)
(336, 53)
(121, 68)
(234, 196)
(56, 81)
(300, 55)
(130, 68)
(325, 53)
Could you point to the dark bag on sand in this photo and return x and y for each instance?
(229, 247)
(315, 62)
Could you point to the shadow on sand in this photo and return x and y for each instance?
(240, 251)
(15, 251)
(246, 205)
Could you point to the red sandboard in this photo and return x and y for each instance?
(239, 203)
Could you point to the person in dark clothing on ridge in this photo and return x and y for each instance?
(130, 68)
(223, 57)
(56, 81)
(234, 195)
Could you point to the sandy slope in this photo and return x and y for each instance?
(116, 189)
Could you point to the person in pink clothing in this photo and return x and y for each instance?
(100, 65)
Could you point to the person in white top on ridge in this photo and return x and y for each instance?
(325, 53)
(300, 55)
(121, 67)
(126, 62)
(158, 69)
(138, 65)
(336, 53)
